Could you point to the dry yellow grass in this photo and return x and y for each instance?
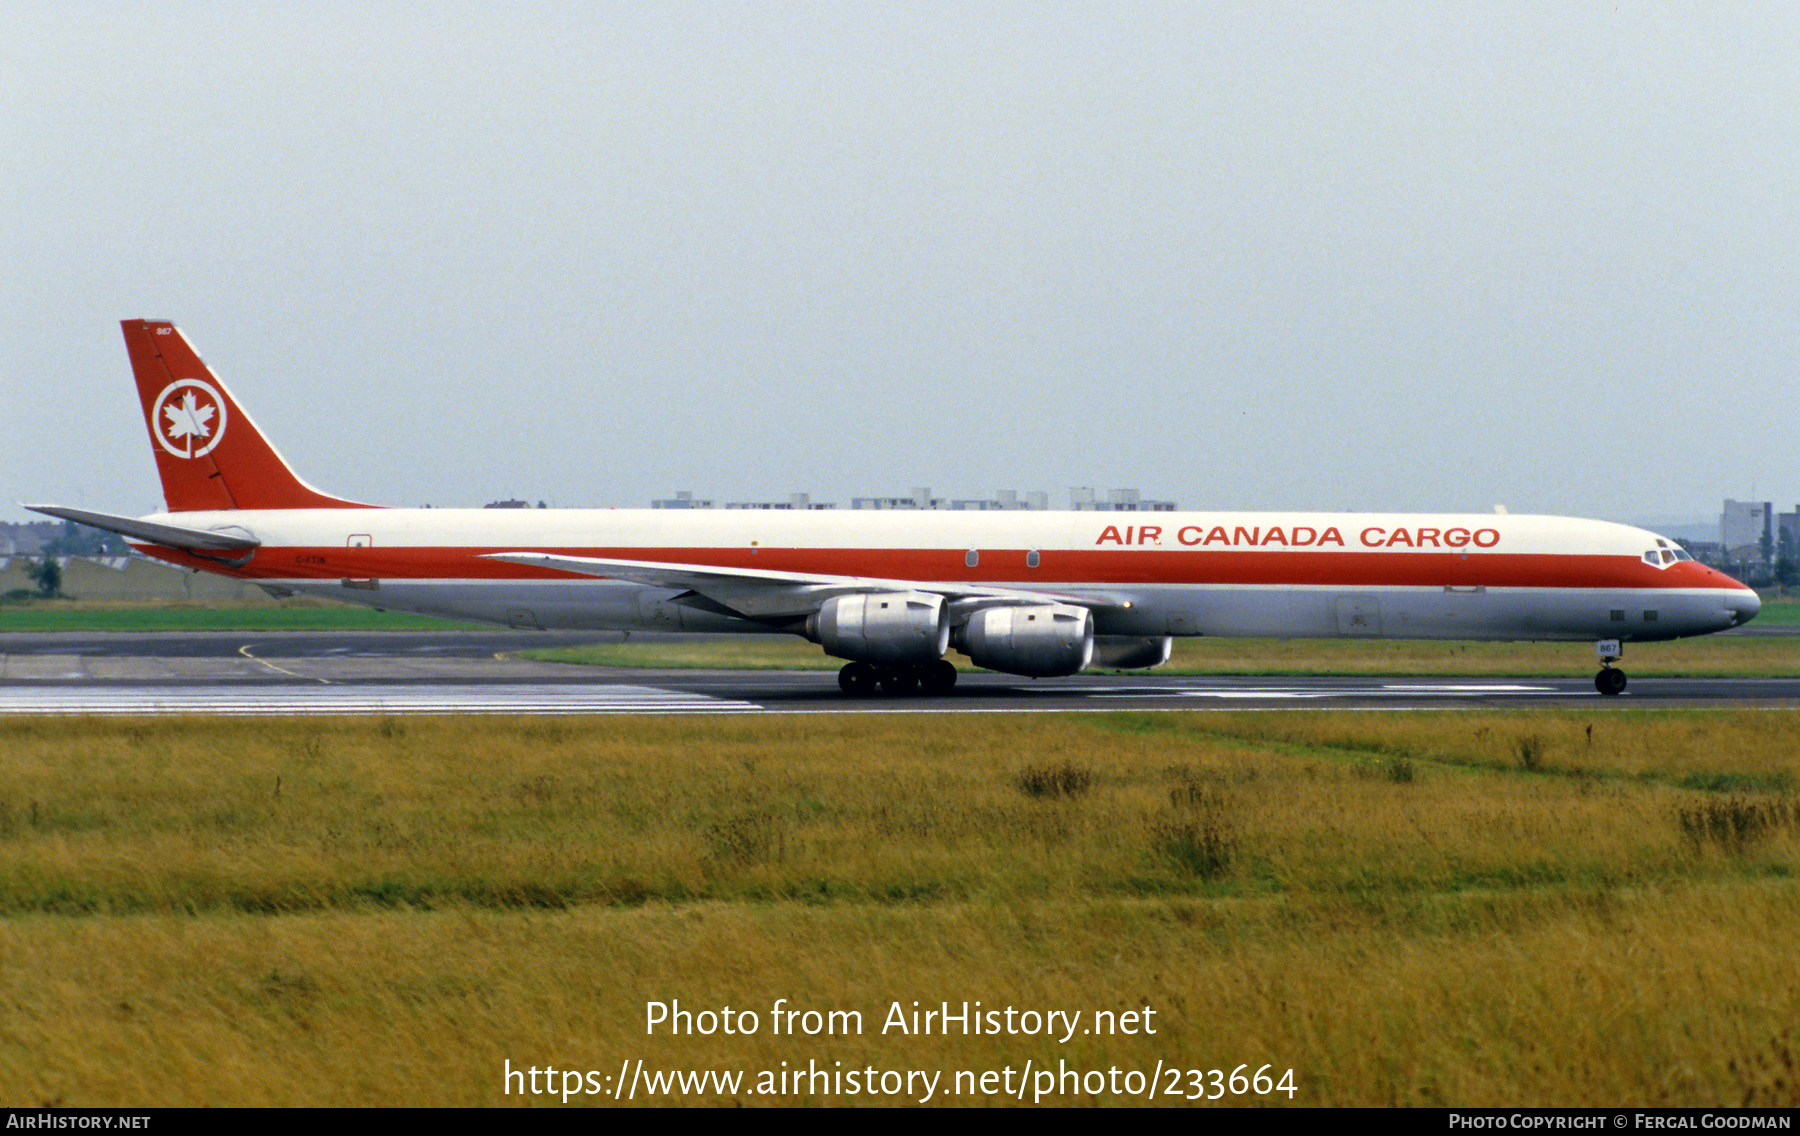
(1414, 909)
(1639, 996)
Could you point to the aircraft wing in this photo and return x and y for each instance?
(758, 593)
(169, 536)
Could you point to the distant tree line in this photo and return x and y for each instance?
(65, 539)
(62, 538)
(80, 540)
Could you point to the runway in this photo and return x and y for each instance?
(315, 673)
(362, 698)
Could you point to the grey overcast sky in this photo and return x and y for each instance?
(1419, 256)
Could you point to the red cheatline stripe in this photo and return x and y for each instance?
(1056, 567)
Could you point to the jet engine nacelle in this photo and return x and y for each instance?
(1038, 640)
(1132, 652)
(892, 628)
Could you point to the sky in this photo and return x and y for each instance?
(1433, 256)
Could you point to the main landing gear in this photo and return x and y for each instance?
(1611, 680)
(862, 679)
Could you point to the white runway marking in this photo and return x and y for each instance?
(372, 699)
(1490, 688)
(1248, 694)
(1403, 690)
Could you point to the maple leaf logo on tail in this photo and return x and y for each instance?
(189, 418)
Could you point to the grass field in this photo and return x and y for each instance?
(1781, 612)
(1457, 908)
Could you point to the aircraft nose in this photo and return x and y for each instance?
(1743, 606)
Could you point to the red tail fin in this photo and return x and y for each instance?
(208, 451)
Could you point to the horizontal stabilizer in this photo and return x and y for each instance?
(169, 536)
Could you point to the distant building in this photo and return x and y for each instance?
(1705, 551)
(683, 499)
(1083, 500)
(1116, 501)
(797, 501)
(921, 499)
(1744, 526)
(1004, 499)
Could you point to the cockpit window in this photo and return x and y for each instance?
(1665, 553)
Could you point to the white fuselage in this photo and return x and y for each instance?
(1410, 576)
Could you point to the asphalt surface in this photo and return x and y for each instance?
(467, 672)
(295, 644)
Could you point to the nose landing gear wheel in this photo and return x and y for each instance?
(1610, 681)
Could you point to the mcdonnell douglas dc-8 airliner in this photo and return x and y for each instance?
(1028, 593)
